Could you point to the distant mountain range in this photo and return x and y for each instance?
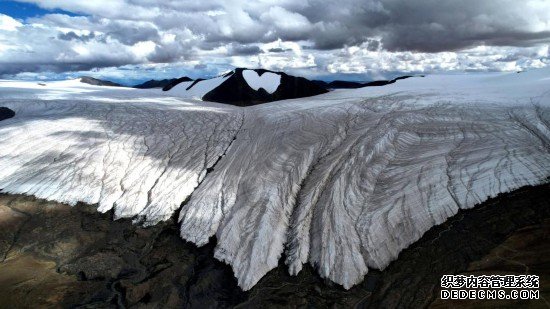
(98, 82)
(341, 84)
(153, 83)
(248, 87)
(338, 84)
(244, 87)
(167, 84)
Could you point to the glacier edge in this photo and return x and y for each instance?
(343, 181)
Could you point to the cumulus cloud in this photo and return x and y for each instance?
(8, 24)
(345, 36)
(289, 25)
(359, 59)
(37, 47)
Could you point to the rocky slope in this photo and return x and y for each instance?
(98, 82)
(175, 82)
(54, 255)
(242, 90)
(244, 87)
(153, 83)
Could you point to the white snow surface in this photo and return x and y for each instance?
(199, 89)
(268, 81)
(344, 180)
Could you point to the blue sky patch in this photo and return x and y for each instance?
(19, 10)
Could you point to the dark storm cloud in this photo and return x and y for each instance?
(145, 31)
(14, 68)
(168, 53)
(429, 25)
(132, 34)
(277, 50)
(244, 50)
(402, 25)
(71, 35)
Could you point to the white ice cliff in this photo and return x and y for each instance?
(344, 180)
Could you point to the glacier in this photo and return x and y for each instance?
(343, 181)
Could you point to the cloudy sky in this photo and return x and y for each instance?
(133, 40)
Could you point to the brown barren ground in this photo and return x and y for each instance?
(53, 255)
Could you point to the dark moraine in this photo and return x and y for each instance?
(53, 255)
(236, 91)
(6, 113)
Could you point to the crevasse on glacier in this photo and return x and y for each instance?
(343, 181)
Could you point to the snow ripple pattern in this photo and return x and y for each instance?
(340, 181)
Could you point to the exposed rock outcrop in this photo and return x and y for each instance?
(6, 113)
(153, 83)
(237, 90)
(244, 87)
(175, 82)
(98, 82)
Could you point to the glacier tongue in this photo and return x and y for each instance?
(343, 181)
(143, 160)
(348, 187)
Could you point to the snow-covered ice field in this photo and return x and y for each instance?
(344, 180)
